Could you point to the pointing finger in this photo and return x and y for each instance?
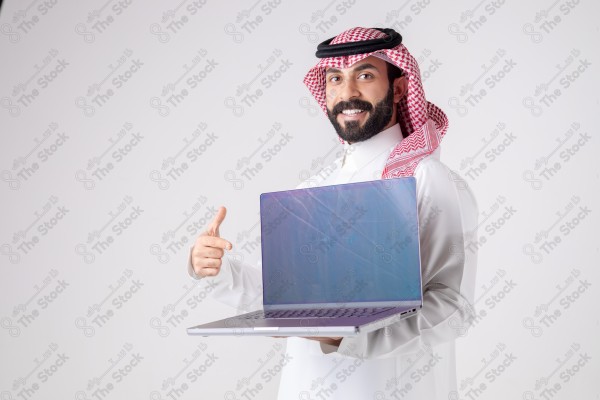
(214, 226)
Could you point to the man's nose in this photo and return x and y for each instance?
(349, 90)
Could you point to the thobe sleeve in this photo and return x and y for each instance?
(238, 284)
(447, 220)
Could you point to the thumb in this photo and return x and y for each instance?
(213, 229)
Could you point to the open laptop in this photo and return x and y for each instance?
(337, 260)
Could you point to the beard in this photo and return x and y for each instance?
(380, 116)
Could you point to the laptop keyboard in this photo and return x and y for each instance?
(318, 313)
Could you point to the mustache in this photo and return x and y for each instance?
(351, 105)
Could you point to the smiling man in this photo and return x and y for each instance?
(370, 88)
(361, 100)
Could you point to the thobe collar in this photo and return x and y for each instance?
(359, 154)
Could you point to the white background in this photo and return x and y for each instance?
(82, 80)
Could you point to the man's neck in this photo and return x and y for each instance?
(358, 154)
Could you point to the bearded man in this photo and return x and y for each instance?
(370, 88)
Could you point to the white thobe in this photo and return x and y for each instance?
(413, 358)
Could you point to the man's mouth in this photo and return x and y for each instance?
(352, 112)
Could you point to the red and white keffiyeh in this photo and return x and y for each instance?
(422, 123)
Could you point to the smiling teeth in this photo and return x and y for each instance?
(351, 112)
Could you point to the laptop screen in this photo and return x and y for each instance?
(356, 242)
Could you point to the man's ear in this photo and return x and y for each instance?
(400, 88)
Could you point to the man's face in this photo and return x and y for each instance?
(360, 100)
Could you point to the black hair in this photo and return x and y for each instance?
(393, 72)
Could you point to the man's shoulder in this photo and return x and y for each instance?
(433, 175)
(431, 166)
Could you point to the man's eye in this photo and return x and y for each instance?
(365, 76)
(334, 78)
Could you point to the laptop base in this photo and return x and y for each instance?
(310, 327)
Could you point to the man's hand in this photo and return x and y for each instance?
(334, 341)
(209, 248)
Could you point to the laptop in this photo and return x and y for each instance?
(337, 260)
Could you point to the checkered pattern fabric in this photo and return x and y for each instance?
(423, 124)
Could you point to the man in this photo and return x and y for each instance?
(369, 86)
